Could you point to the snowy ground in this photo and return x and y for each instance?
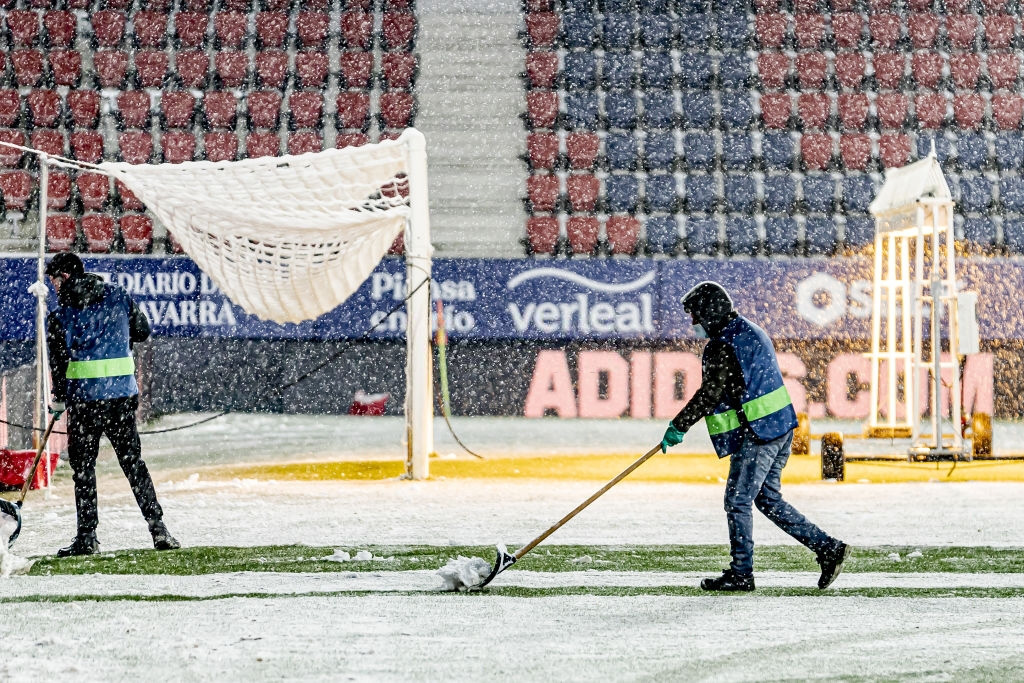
(396, 626)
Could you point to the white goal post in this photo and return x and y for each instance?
(290, 238)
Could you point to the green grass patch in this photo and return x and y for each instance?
(553, 558)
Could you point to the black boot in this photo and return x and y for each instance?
(831, 562)
(162, 539)
(728, 581)
(84, 544)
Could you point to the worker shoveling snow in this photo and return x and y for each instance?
(464, 573)
(9, 562)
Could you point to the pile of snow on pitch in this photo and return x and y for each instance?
(361, 556)
(464, 573)
(9, 562)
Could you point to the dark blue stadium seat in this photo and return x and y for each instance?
(619, 31)
(619, 70)
(694, 31)
(820, 236)
(693, 6)
(733, 6)
(659, 109)
(699, 151)
(579, 6)
(971, 151)
(819, 193)
(581, 110)
(620, 109)
(1013, 235)
(695, 70)
(860, 231)
(943, 150)
(737, 152)
(736, 109)
(656, 70)
(975, 193)
(579, 30)
(654, 6)
(778, 151)
(656, 31)
(858, 192)
(732, 31)
(660, 192)
(701, 236)
(741, 235)
(662, 234)
(733, 71)
(580, 70)
(779, 194)
(698, 109)
(660, 151)
(740, 193)
(780, 235)
(621, 151)
(621, 6)
(1011, 193)
(701, 193)
(980, 232)
(622, 192)
(1009, 148)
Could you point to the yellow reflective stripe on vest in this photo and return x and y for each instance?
(755, 409)
(105, 367)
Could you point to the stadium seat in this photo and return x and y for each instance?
(853, 110)
(271, 30)
(659, 151)
(980, 233)
(820, 236)
(701, 193)
(776, 110)
(1003, 70)
(699, 151)
(620, 110)
(694, 31)
(969, 110)
(542, 108)
(60, 28)
(859, 231)
(927, 69)
(850, 68)
(622, 193)
(133, 109)
(220, 146)
(855, 151)
(965, 70)
(655, 70)
(659, 109)
(310, 69)
(741, 235)
(737, 152)
(220, 109)
(696, 70)
(44, 107)
(999, 31)
(580, 72)
(149, 29)
(232, 68)
(962, 31)
(541, 68)
(847, 30)
(150, 68)
(930, 110)
(733, 71)
(398, 70)
(619, 70)
(660, 193)
(698, 110)
(178, 146)
(230, 28)
(740, 193)
(656, 30)
(135, 146)
(781, 236)
(619, 31)
(732, 30)
(93, 190)
(356, 68)
(662, 234)
(305, 142)
(893, 150)
(98, 230)
(23, 26)
(267, 145)
(190, 29)
(108, 27)
(778, 150)
(779, 194)
(541, 148)
(579, 30)
(192, 66)
(9, 156)
(770, 29)
(541, 28)
(975, 195)
(621, 152)
(48, 141)
(137, 233)
(1007, 110)
(542, 234)
(809, 29)
(1011, 193)
(583, 191)
(818, 194)
(28, 67)
(581, 109)
(582, 233)
(353, 110)
(311, 29)
(884, 28)
(582, 149)
(816, 151)
(922, 29)
(623, 234)
(1009, 152)
(889, 68)
(61, 232)
(65, 67)
(87, 146)
(813, 110)
(736, 109)
(306, 108)
(542, 192)
(811, 70)
(129, 202)
(891, 108)
(16, 188)
(772, 67)
(397, 30)
(177, 109)
(702, 236)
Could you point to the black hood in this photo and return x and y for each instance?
(710, 306)
(81, 291)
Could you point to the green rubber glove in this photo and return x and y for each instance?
(672, 437)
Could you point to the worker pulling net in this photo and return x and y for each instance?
(286, 238)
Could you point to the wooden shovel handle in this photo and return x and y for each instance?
(35, 463)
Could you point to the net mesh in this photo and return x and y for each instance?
(286, 238)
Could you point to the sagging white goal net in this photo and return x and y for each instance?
(291, 238)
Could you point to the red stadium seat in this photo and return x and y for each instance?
(923, 29)
(542, 108)
(542, 234)
(271, 29)
(87, 146)
(623, 233)
(850, 69)
(398, 69)
(135, 146)
(583, 191)
(962, 31)
(110, 66)
(311, 29)
(150, 29)
(776, 110)
(262, 145)
(232, 68)
(893, 150)
(44, 107)
(58, 189)
(1007, 110)
(353, 110)
(61, 28)
(811, 68)
(272, 68)
(10, 107)
(542, 150)
(98, 229)
(885, 30)
(9, 156)
(930, 110)
(396, 109)
(192, 5)
(230, 29)
(192, 67)
(397, 29)
(311, 69)
(773, 68)
(809, 29)
(927, 69)
(133, 109)
(582, 233)
(813, 110)
(66, 66)
(892, 110)
(542, 191)
(352, 140)
(306, 108)
(582, 150)
(356, 68)
(23, 25)
(129, 202)
(965, 69)
(542, 28)
(28, 67)
(264, 108)
(770, 30)
(94, 189)
(356, 30)
(108, 27)
(220, 146)
(151, 68)
(49, 141)
(177, 109)
(220, 108)
(541, 69)
(920, 5)
(847, 29)
(889, 69)
(190, 28)
(855, 151)
(61, 232)
(816, 151)
(853, 110)
(305, 142)
(178, 146)
(969, 110)
(137, 233)
(16, 188)
(999, 31)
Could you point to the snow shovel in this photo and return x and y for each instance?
(14, 509)
(505, 560)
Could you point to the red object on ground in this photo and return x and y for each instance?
(14, 467)
(366, 404)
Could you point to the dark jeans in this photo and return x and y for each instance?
(87, 422)
(755, 474)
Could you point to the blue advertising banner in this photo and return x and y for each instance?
(497, 299)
